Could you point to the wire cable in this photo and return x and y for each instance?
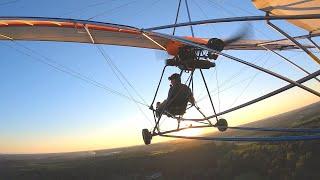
(177, 17)
(251, 139)
(9, 2)
(234, 14)
(114, 66)
(86, 7)
(235, 75)
(47, 61)
(250, 81)
(142, 10)
(116, 71)
(110, 10)
(300, 130)
(207, 17)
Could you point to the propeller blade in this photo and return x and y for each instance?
(245, 31)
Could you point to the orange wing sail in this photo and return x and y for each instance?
(293, 7)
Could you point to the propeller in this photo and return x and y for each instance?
(245, 31)
(213, 43)
(218, 44)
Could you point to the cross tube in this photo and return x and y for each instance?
(236, 19)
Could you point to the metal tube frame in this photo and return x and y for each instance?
(207, 89)
(177, 16)
(273, 93)
(309, 53)
(187, 42)
(189, 17)
(268, 18)
(236, 19)
(292, 63)
(295, 37)
(302, 80)
(292, 83)
(314, 43)
(157, 120)
(154, 98)
(179, 118)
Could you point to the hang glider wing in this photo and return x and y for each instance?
(69, 30)
(293, 7)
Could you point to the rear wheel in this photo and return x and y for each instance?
(146, 136)
(222, 125)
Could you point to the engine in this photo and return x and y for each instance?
(190, 58)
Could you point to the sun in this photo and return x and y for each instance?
(189, 132)
(170, 124)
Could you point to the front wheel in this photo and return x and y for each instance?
(222, 125)
(146, 136)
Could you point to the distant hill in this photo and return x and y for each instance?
(184, 159)
(291, 118)
(295, 118)
(308, 116)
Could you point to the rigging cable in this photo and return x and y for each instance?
(202, 75)
(173, 33)
(113, 9)
(152, 4)
(189, 17)
(86, 7)
(9, 2)
(230, 12)
(235, 75)
(112, 64)
(177, 16)
(250, 81)
(244, 128)
(254, 138)
(216, 67)
(207, 17)
(238, 7)
(115, 69)
(300, 130)
(49, 62)
(251, 139)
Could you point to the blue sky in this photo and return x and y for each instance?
(45, 110)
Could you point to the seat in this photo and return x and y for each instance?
(177, 110)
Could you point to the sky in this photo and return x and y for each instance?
(44, 110)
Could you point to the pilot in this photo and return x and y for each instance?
(178, 97)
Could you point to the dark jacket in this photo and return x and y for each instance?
(179, 95)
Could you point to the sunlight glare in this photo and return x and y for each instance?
(189, 132)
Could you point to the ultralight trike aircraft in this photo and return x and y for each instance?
(192, 54)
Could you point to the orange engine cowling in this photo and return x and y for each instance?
(173, 46)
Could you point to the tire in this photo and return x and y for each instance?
(146, 135)
(222, 125)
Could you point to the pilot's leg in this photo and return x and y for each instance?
(160, 107)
